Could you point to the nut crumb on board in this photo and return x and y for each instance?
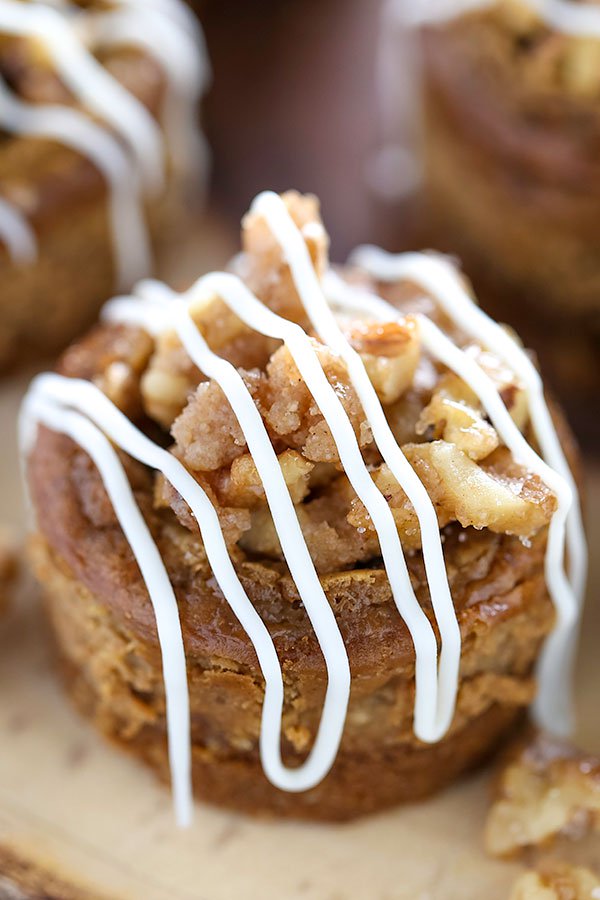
(557, 881)
(546, 788)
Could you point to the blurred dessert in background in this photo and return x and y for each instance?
(512, 175)
(99, 113)
(297, 480)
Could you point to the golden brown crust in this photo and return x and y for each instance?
(114, 674)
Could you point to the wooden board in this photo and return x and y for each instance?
(75, 811)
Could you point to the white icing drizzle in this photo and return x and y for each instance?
(293, 545)
(17, 234)
(132, 253)
(136, 150)
(441, 280)
(260, 318)
(49, 399)
(273, 209)
(166, 35)
(51, 405)
(80, 410)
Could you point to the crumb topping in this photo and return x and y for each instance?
(436, 419)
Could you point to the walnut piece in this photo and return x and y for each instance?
(171, 376)
(497, 494)
(242, 486)
(557, 881)
(546, 788)
(454, 415)
(390, 353)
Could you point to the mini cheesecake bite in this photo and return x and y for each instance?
(301, 528)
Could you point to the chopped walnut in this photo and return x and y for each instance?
(169, 379)
(454, 415)
(500, 496)
(114, 357)
(390, 353)
(405, 517)
(497, 493)
(557, 881)
(242, 486)
(121, 378)
(403, 415)
(171, 375)
(546, 788)
(511, 390)
(581, 67)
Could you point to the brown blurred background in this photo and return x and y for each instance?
(293, 104)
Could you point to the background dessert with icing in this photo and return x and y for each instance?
(512, 110)
(99, 110)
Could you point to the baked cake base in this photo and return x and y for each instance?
(71, 804)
